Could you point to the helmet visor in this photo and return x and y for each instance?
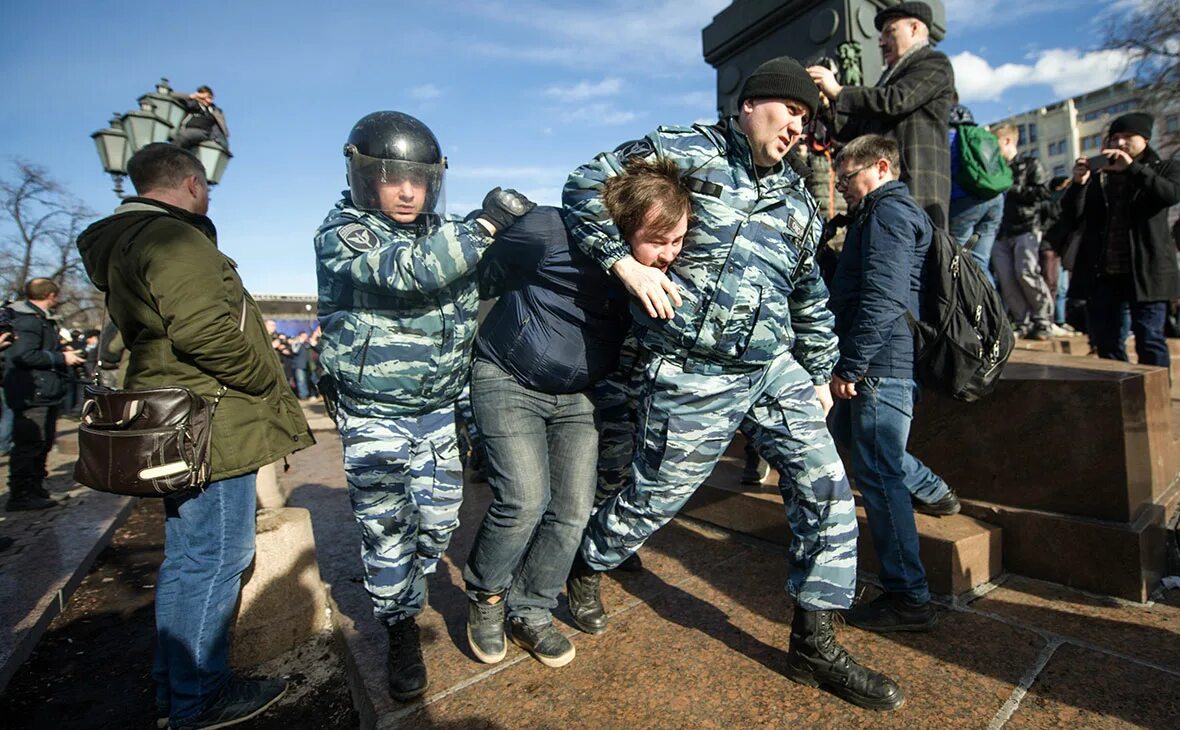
(401, 190)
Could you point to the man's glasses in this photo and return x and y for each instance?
(843, 180)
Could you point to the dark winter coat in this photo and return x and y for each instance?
(1024, 200)
(1153, 187)
(35, 373)
(560, 320)
(181, 307)
(877, 280)
(912, 107)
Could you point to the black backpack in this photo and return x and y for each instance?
(964, 338)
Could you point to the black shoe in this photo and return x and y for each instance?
(28, 502)
(888, 612)
(582, 590)
(816, 660)
(485, 628)
(945, 507)
(543, 641)
(407, 669)
(633, 564)
(241, 700)
(1039, 332)
(756, 471)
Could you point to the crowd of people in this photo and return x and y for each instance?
(299, 357)
(674, 299)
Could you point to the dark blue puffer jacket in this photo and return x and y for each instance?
(560, 319)
(880, 277)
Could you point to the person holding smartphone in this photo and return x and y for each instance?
(1126, 257)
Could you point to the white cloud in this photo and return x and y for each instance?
(664, 36)
(425, 92)
(493, 172)
(1067, 71)
(584, 90)
(600, 114)
(962, 15)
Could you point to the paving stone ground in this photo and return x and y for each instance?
(51, 551)
(699, 639)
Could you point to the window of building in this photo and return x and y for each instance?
(1034, 152)
(1058, 170)
(1032, 132)
(1020, 138)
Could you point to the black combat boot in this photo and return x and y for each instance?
(407, 670)
(581, 588)
(816, 660)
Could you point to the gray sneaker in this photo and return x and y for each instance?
(241, 700)
(485, 628)
(543, 641)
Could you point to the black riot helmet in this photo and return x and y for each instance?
(395, 166)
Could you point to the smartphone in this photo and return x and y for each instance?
(1098, 162)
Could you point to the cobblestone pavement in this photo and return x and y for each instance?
(699, 639)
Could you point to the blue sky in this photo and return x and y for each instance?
(519, 93)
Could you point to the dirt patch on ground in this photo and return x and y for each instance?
(92, 667)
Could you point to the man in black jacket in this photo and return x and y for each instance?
(34, 384)
(1016, 256)
(1127, 257)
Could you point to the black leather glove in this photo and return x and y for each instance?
(502, 208)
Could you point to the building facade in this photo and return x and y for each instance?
(1061, 132)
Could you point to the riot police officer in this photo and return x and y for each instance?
(398, 300)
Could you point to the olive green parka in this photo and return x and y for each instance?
(187, 320)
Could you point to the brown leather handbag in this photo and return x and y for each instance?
(144, 443)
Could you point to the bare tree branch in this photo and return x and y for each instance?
(41, 222)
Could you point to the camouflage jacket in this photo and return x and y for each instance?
(398, 305)
(747, 273)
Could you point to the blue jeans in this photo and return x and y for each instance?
(969, 216)
(1106, 309)
(875, 427)
(301, 388)
(7, 417)
(542, 456)
(208, 544)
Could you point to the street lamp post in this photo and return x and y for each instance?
(159, 114)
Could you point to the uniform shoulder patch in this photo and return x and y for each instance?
(357, 237)
(641, 147)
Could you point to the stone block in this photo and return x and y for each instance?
(270, 495)
(1083, 437)
(283, 599)
(958, 552)
(1124, 559)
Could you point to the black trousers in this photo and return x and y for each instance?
(33, 432)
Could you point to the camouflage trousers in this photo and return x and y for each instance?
(688, 419)
(406, 486)
(615, 402)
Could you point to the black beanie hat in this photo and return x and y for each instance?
(1134, 123)
(918, 11)
(781, 78)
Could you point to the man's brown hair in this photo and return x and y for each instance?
(162, 166)
(645, 184)
(39, 289)
(867, 149)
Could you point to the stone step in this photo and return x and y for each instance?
(1124, 559)
(958, 552)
